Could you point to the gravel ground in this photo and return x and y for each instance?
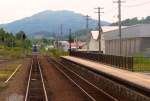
(3, 63)
(16, 87)
(59, 88)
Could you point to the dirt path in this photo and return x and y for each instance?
(15, 90)
(61, 89)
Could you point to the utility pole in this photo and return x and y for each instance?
(87, 30)
(99, 26)
(61, 32)
(76, 36)
(57, 40)
(87, 21)
(119, 24)
(70, 40)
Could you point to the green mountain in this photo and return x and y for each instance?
(49, 22)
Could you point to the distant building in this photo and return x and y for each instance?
(94, 41)
(63, 45)
(135, 39)
(77, 45)
(49, 47)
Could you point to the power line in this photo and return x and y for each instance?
(109, 11)
(136, 5)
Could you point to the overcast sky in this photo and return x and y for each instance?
(11, 10)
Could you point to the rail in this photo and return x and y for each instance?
(36, 90)
(92, 92)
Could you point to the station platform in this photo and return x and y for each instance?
(141, 80)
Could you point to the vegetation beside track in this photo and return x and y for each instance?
(57, 53)
(6, 70)
(53, 51)
(141, 64)
(14, 53)
(14, 46)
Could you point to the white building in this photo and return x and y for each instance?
(94, 42)
(94, 39)
(63, 45)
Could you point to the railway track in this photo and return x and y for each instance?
(36, 90)
(92, 92)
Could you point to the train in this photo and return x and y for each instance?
(34, 48)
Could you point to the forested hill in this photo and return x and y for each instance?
(49, 22)
(134, 21)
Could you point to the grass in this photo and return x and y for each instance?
(5, 74)
(9, 69)
(141, 63)
(57, 53)
(53, 52)
(3, 86)
(14, 53)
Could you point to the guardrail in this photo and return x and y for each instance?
(115, 61)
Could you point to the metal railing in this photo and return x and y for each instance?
(122, 62)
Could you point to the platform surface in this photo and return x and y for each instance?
(133, 77)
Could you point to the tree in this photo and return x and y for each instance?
(2, 35)
(6, 38)
(71, 39)
(134, 21)
(9, 40)
(21, 35)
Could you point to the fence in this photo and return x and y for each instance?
(116, 61)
